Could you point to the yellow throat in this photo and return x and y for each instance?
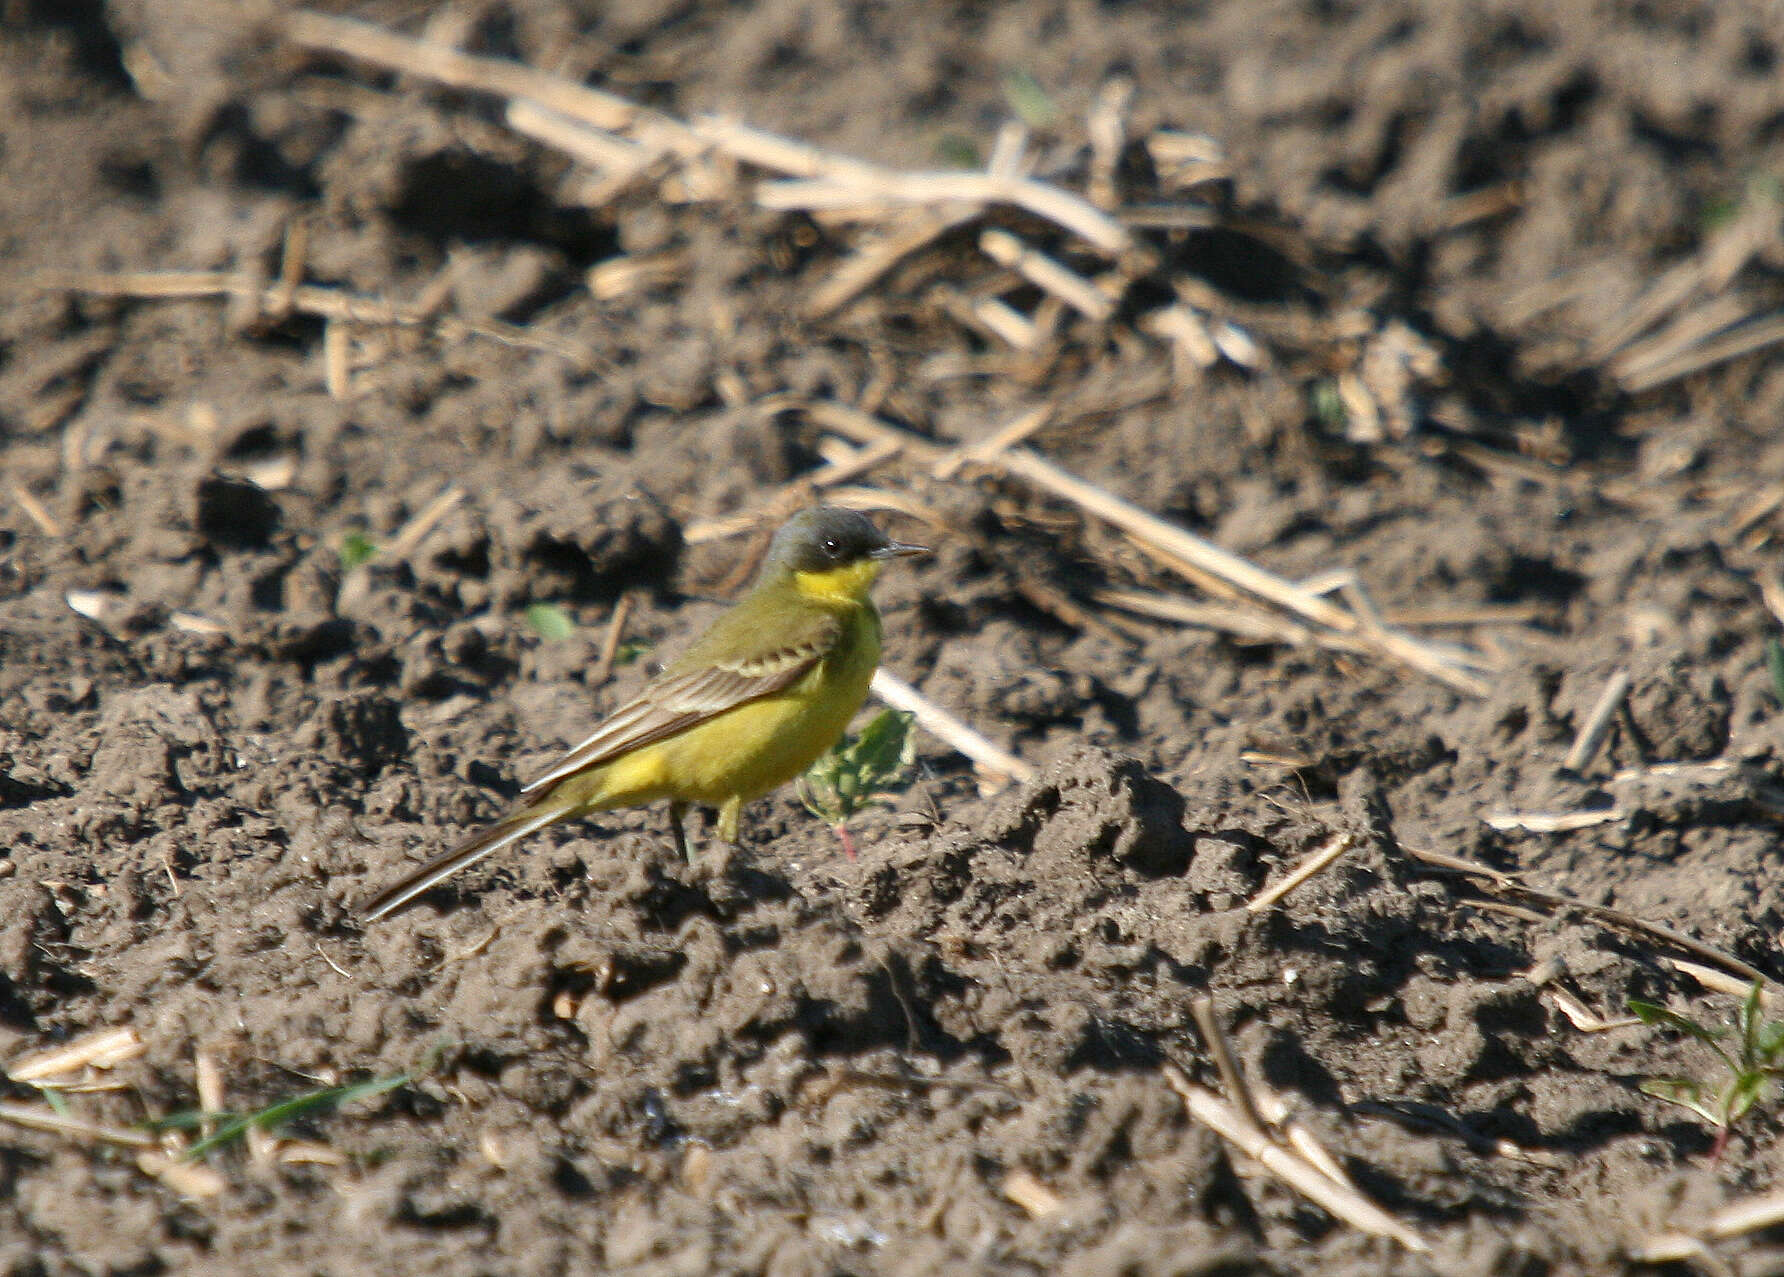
(847, 584)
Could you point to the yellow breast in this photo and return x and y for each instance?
(748, 751)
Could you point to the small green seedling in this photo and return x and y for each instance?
(1756, 1060)
(233, 1126)
(1328, 405)
(356, 549)
(52, 1096)
(1029, 100)
(1774, 664)
(952, 150)
(550, 622)
(859, 770)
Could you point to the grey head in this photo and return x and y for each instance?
(822, 537)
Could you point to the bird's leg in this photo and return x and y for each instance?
(678, 812)
(728, 816)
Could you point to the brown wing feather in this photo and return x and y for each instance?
(689, 693)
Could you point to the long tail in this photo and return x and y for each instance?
(469, 852)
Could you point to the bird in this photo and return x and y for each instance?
(751, 704)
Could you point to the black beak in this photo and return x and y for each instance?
(897, 550)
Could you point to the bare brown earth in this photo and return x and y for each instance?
(776, 1060)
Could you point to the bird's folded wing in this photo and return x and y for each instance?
(683, 697)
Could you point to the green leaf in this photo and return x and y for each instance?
(186, 1120)
(549, 621)
(1750, 1022)
(1749, 1077)
(1651, 1013)
(1683, 1092)
(1746, 1090)
(629, 651)
(886, 747)
(329, 1097)
(819, 790)
(859, 768)
(357, 548)
(952, 150)
(1718, 211)
(1029, 100)
(1774, 662)
(1328, 405)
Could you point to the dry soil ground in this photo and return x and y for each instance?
(1456, 297)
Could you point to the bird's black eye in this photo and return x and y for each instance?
(832, 547)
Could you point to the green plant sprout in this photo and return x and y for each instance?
(1328, 404)
(1719, 210)
(1774, 664)
(1757, 1059)
(357, 548)
(859, 770)
(550, 622)
(954, 151)
(1029, 100)
(233, 1126)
